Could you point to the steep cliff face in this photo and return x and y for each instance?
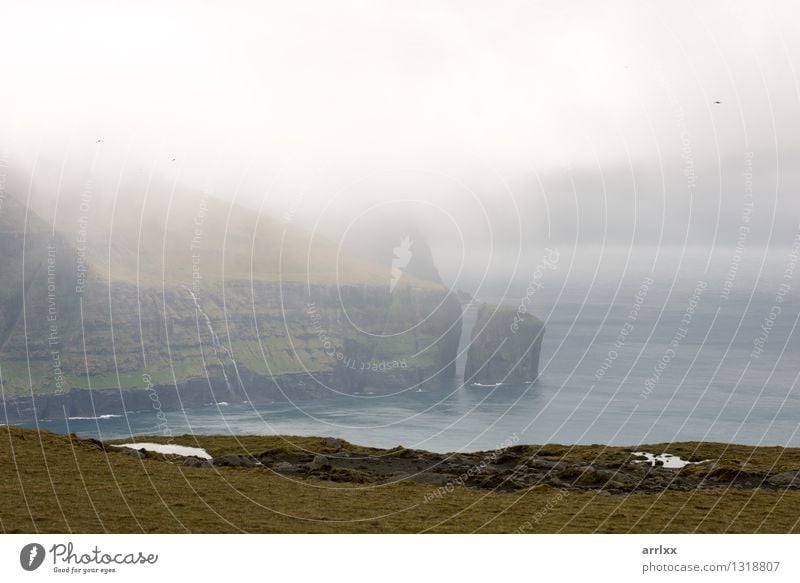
(208, 307)
(505, 347)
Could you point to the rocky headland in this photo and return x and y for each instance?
(216, 303)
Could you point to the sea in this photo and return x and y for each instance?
(631, 358)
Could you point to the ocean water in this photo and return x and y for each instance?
(627, 362)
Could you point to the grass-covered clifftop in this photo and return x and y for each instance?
(262, 332)
(55, 483)
(162, 291)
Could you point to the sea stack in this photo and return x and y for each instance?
(505, 347)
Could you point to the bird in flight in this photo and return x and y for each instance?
(717, 102)
(99, 141)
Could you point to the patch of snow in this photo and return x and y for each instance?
(169, 449)
(669, 460)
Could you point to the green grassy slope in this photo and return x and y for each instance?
(54, 484)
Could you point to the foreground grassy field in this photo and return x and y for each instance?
(57, 484)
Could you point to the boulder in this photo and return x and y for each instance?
(332, 442)
(319, 462)
(785, 479)
(196, 462)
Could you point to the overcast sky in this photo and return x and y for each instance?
(513, 124)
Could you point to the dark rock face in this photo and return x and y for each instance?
(786, 479)
(196, 462)
(235, 461)
(505, 347)
(510, 469)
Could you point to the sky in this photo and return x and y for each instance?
(499, 126)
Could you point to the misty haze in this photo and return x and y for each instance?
(373, 247)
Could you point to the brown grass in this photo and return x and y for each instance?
(54, 484)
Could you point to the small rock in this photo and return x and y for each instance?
(785, 479)
(137, 453)
(196, 462)
(332, 442)
(283, 467)
(320, 462)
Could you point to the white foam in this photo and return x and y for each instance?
(93, 418)
(169, 449)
